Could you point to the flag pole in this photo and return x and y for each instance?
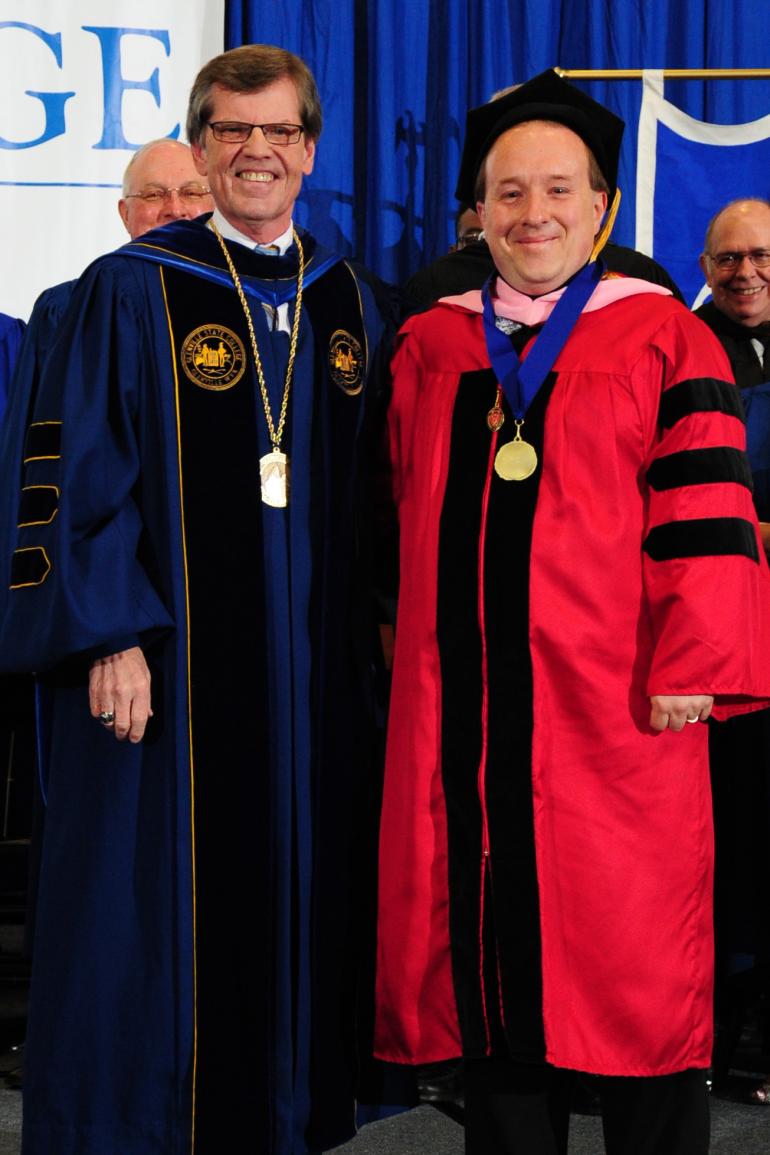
(668, 73)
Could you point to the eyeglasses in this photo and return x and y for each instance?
(760, 259)
(468, 237)
(238, 132)
(191, 193)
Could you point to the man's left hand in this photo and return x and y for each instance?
(673, 712)
(119, 689)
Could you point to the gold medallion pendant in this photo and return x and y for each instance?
(273, 467)
(274, 476)
(517, 460)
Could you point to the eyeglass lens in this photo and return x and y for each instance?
(760, 258)
(187, 192)
(237, 132)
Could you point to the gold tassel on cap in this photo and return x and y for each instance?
(606, 229)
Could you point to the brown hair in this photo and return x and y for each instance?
(251, 68)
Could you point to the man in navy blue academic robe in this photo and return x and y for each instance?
(196, 955)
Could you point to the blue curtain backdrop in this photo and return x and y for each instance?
(397, 77)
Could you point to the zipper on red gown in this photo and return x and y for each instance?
(486, 860)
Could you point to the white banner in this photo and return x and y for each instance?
(84, 83)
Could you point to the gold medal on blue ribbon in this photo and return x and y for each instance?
(517, 459)
(521, 381)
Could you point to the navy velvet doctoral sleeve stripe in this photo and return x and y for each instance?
(721, 463)
(702, 537)
(700, 395)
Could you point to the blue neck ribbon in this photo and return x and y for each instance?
(521, 381)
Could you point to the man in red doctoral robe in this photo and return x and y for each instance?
(581, 578)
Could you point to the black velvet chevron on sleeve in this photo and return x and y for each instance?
(38, 505)
(29, 567)
(43, 440)
(702, 537)
(720, 463)
(700, 395)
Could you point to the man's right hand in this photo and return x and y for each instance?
(120, 685)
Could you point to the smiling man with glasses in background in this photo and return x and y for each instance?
(189, 504)
(161, 184)
(736, 264)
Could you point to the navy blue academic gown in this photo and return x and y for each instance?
(11, 332)
(195, 960)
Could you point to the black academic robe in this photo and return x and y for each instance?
(739, 752)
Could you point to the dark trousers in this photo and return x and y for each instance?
(518, 1109)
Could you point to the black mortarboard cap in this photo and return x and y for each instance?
(545, 97)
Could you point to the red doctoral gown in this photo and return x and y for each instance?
(646, 576)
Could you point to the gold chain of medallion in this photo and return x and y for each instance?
(275, 434)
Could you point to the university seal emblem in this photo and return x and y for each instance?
(213, 357)
(346, 361)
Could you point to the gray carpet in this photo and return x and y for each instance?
(10, 1122)
(737, 1129)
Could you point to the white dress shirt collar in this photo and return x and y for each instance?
(284, 241)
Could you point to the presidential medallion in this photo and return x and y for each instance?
(274, 476)
(273, 467)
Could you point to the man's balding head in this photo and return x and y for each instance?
(161, 184)
(738, 237)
